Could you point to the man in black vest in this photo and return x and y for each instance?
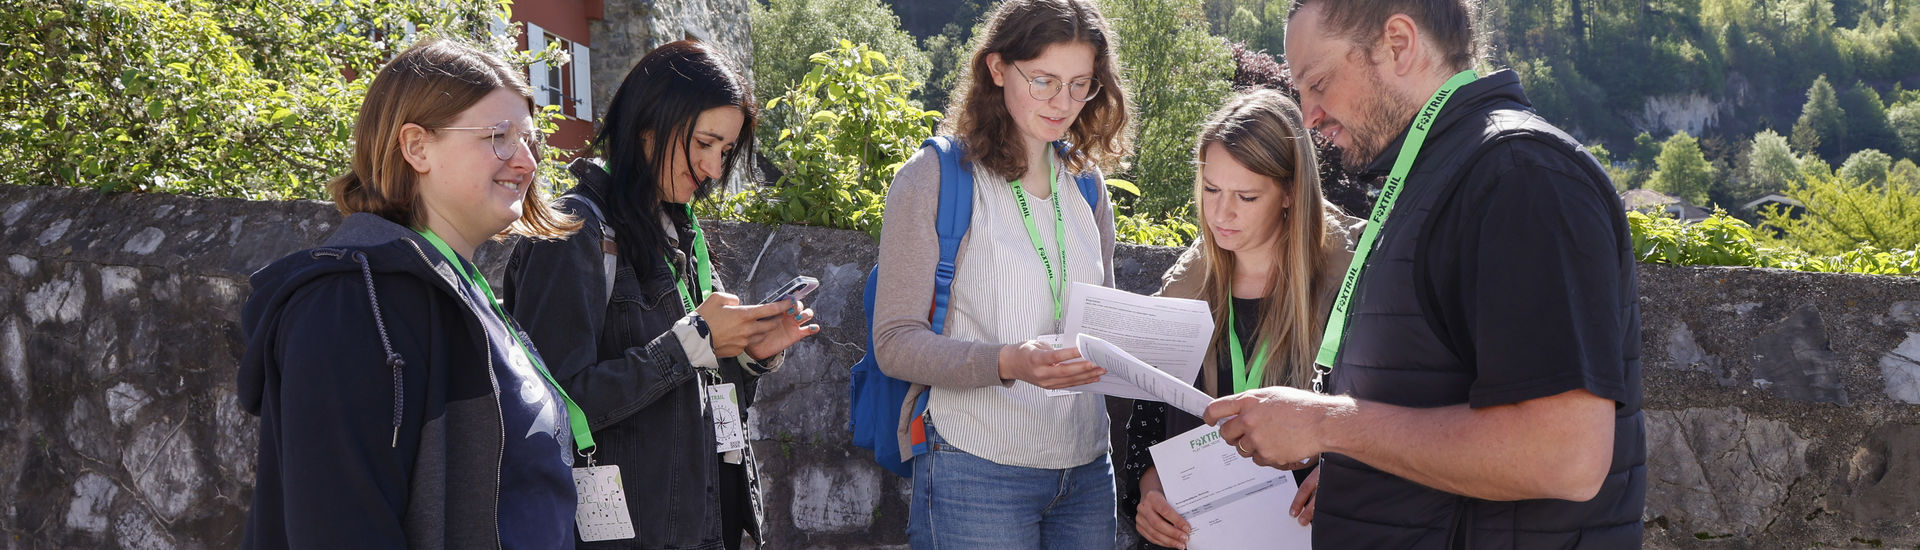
(1484, 389)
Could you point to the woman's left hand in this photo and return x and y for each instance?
(793, 327)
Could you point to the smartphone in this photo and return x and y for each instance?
(796, 289)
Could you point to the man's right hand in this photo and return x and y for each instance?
(1155, 519)
(1036, 363)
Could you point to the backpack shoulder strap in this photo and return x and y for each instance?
(609, 249)
(956, 213)
(1089, 182)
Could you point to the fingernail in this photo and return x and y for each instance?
(790, 310)
(796, 316)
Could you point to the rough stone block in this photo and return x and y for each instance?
(1878, 492)
(1796, 361)
(1901, 369)
(1719, 472)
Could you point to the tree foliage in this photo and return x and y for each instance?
(786, 34)
(851, 126)
(200, 96)
(1843, 214)
(1179, 75)
(1770, 167)
(1683, 170)
(1823, 116)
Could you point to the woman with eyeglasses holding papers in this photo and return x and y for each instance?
(399, 406)
(1005, 465)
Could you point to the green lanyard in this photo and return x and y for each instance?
(1242, 379)
(1335, 335)
(1057, 285)
(582, 438)
(702, 268)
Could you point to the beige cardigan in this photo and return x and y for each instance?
(1188, 275)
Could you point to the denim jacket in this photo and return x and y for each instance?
(630, 360)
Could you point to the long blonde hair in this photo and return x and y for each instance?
(1262, 130)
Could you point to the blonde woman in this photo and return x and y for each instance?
(1270, 263)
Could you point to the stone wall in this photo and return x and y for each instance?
(1782, 406)
(632, 28)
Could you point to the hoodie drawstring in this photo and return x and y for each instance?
(394, 361)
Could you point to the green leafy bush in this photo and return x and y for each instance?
(1726, 241)
(1842, 214)
(199, 96)
(851, 125)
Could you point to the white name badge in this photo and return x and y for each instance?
(729, 434)
(600, 511)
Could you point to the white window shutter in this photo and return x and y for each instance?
(497, 26)
(537, 41)
(582, 83)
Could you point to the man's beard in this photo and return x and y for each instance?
(1382, 117)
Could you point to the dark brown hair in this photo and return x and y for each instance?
(1020, 30)
(430, 84)
(1450, 23)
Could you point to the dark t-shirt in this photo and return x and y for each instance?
(536, 476)
(1529, 278)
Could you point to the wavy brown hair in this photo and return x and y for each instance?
(1262, 130)
(1020, 30)
(430, 84)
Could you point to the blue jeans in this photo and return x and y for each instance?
(961, 501)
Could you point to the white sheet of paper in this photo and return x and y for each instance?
(1170, 334)
(1128, 376)
(1230, 501)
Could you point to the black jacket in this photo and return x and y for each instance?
(1504, 273)
(377, 429)
(621, 361)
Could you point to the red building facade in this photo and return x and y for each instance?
(570, 86)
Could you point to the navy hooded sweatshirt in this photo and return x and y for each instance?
(392, 412)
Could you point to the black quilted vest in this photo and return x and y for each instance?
(1398, 353)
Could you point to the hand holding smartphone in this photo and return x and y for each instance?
(795, 289)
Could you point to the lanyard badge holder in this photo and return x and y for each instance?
(729, 431)
(1057, 285)
(1335, 335)
(600, 500)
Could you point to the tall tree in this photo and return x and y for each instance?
(1771, 167)
(1181, 74)
(1904, 119)
(1683, 170)
(1823, 116)
(1867, 120)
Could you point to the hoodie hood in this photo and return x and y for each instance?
(364, 245)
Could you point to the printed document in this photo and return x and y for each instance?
(1230, 501)
(1170, 334)
(1128, 376)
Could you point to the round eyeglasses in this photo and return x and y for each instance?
(502, 139)
(1044, 87)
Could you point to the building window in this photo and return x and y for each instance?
(566, 85)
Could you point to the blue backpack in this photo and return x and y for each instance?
(876, 398)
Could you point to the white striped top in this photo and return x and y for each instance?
(1000, 296)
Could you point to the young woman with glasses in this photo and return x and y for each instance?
(637, 325)
(382, 371)
(1007, 466)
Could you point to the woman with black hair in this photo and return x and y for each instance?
(634, 324)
